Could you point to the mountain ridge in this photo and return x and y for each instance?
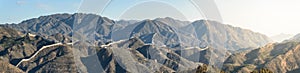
(159, 42)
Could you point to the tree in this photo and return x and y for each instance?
(263, 70)
(202, 69)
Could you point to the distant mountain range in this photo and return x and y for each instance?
(295, 38)
(92, 43)
(169, 32)
(281, 37)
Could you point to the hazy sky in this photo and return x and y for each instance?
(270, 17)
(15, 11)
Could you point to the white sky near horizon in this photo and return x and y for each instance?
(270, 17)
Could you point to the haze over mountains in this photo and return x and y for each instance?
(281, 37)
(92, 43)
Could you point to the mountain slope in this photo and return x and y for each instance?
(79, 26)
(134, 56)
(277, 57)
(225, 36)
(165, 35)
(295, 38)
(100, 44)
(8, 68)
(24, 53)
(172, 22)
(90, 27)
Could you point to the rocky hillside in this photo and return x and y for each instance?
(92, 27)
(135, 56)
(92, 43)
(276, 57)
(220, 35)
(33, 53)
